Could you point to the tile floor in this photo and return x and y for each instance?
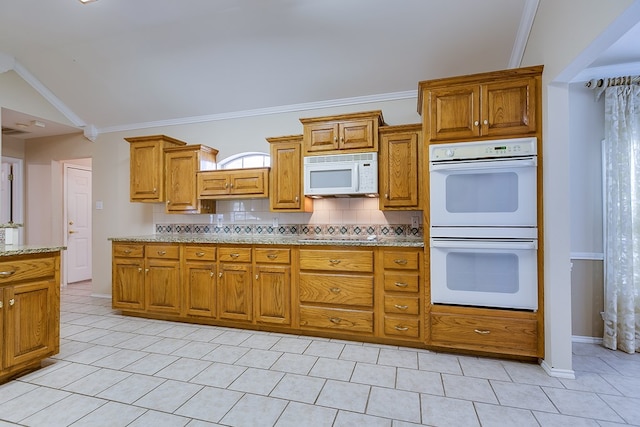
(122, 371)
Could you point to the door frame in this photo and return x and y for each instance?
(65, 223)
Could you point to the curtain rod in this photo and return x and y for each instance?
(612, 81)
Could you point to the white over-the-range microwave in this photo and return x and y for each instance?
(341, 175)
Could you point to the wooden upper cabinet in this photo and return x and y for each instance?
(147, 166)
(357, 132)
(181, 166)
(286, 184)
(400, 167)
(497, 104)
(233, 183)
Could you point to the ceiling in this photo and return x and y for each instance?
(120, 65)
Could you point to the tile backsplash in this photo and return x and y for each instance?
(330, 217)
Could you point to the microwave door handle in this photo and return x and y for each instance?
(356, 177)
(493, 164)
(484, 244)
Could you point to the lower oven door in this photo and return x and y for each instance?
(485, 272)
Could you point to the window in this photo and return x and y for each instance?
(246, 160)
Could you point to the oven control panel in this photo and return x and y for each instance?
(516, 147)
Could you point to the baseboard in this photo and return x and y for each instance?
(586, 340)
(558, 373)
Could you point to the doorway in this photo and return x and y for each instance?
(11, 193)
(77, 222)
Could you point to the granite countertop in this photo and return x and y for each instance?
(292, 240)
(9, 250)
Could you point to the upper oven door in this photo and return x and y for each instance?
(484, 193)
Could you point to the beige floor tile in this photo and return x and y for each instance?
(257, 381)
(298, 388)
(131, 388)
(150, 364)
(332, 368)
(446, 412)
(255, 411)
(399, 358)
(291, 345)
(352, 419)
(195, 349)
(226, 354)
(311, 416)
(367, 373)
(394, 404)
(343, 395)
(581, 404)
(219, 375)
(294, 363)
(96, 382)
(183, 369)
(65, 411)
(523, 396)
(209, 404)
(419, 381)
(257, 358)
(159, 419)
(30, 403)
(324, 349)
(546, 419)
(475, 389)
(359, 353)
(168, 396)
(111, 414)
(500, 416)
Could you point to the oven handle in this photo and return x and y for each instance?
(484, 244)
(484, 164)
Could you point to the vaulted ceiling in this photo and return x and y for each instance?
(119, 65)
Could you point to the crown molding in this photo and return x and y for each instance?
(7, 62)
(526, 23)
(393, 96)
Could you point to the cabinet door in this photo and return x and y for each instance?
(356, 134)
(146, 170)
(128, 284)
(162, 284)
(286, 179)
(180, 184)
(454, 112)
(234, 291)
(508, 108)
(30, 322)
(399, 167)
(213, 183)
(250, 182)
(200, 289)
(273, 294)
(321, 137)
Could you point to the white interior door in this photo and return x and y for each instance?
(78, 223)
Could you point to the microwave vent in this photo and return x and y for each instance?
(341, 158)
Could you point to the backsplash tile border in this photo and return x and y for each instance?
(306, 230)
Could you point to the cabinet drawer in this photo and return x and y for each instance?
(401, 305)
(337, 319)
(336, 260)
(401, 282)
(484, 333)
(273, 256)
(25, 269)
(163, 251)
(402, 327)
(336, 289)
(200, 253)
(234, 254)
(128, 250)
(399, 260)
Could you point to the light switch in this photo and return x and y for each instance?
(98, 204)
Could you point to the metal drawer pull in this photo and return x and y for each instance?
(7, 273)
(200, 254)
(211, 274)
(334, 261)
(400, 261)
(335, 290)
(12, 301)
(401, 307)
(161, 253)
(482, 331)
(1, 304)
(220, 274)
(335, 320)
(234, 255)
(401, 285)
(272, 256)
(127, 251)
(139, 269)
(402, 328)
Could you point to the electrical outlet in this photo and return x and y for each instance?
(275, 221)
(415, 222)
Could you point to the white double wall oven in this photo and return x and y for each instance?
(483, 223)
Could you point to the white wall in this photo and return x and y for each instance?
(563, 31)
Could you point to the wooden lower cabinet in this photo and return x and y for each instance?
(401, 295)
(336, 289)
(484, 330)
(273, 286)
(374, 294)
(29, 312)
(200, 281)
